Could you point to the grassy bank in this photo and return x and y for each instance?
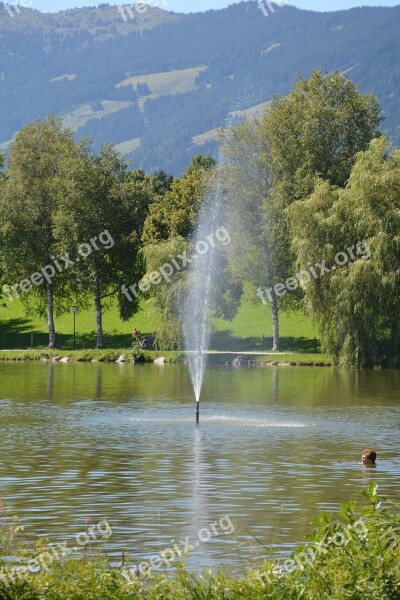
(112, 355)
(25, 338)
(353, 555)
(90, 355)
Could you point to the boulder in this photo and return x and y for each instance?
(240, 361)
(161, 360)
(65, 359)
(121, 359)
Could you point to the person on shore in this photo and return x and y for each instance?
(368, 457)
(136, 334)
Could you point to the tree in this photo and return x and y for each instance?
(27, 208)
(2, 165)
(169, 233)
(259, 250)
(173, 212)
(317, 130)
(102, 210)
(2, 180)
(355, 301)
(166, 296)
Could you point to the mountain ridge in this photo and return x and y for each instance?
(186, 74)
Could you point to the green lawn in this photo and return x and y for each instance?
(250, 330)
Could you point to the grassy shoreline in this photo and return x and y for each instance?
(112, 356)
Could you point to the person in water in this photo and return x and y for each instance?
(368, 457)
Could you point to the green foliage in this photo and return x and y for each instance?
(136, 349)
(28, 204)
(61, 198)
(63, 194)
(97, 201)
(316, 131)
(165, 298)
(260, 247)
(2, 165)
(353, 555)
(27, 208)
(356, 306)
(167, 232)
(173, 214)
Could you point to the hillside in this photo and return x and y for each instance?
(159, 85)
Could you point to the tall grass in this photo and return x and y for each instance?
(355, 555)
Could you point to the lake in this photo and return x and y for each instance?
(275, 446)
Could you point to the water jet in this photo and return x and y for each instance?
(201, 288)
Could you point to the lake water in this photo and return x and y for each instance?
(275, 446)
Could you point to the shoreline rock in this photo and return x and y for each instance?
(161, 360)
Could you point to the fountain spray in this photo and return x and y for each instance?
(200, 294)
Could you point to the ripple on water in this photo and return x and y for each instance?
(128, 450)
(223, 419)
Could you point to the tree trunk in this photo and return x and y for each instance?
(275, 324)
(99, 318)
(50, 316)
(274, 300)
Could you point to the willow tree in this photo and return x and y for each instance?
(167, 233)
(28, 202)
(354, 233)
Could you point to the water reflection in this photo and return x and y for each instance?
(274, 447)
(98, 386)
(50, 381)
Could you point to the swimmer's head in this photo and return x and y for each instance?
(368, 457)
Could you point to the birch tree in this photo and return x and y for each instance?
(101, 211)
(260, 249)
(27, 208)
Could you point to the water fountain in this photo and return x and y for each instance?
(237, 182)
(200, 295)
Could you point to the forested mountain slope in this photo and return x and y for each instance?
(158, 84)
